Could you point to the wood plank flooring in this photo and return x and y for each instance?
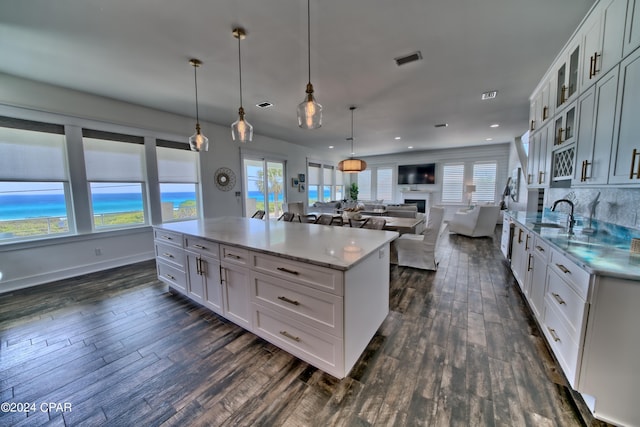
(459, 348)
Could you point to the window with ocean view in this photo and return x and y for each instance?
(178, 176)
(34, 186)
(115, 171)
(178, 202)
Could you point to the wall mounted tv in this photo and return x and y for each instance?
(417, 174)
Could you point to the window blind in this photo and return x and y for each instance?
(314, 174)
(327, 175)
(113, 161)
(364, 185)
(484, 178)
(452, 180)
(29, 155)
(177, 165)
(384, 184)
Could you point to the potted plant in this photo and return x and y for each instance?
(353, 191)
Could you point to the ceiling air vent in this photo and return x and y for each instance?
(441, 125)
(265, 104)
(415, 56)
(489, 95)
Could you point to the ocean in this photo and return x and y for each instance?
(52, 205)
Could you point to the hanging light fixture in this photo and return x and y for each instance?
(352, 165)
(197, 141)
(309, 111)
(241, 130)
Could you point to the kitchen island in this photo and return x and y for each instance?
(318, 292)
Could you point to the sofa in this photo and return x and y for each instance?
(330, 207)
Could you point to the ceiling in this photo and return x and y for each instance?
(138, 51)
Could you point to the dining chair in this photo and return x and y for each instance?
(324, 219)
(287, 216)
(419, 250)
(309, 218)
(375, 223)
(357, 223)
(258, 214)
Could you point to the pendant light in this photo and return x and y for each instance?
(197, 141)
(352, 165)
(241, 130)
(309, 111)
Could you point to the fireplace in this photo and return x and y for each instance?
(421, 203)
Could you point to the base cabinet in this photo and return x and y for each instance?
(235, 294)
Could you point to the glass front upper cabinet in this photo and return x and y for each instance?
(567, 83)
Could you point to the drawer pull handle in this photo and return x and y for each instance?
(526, 243)
(540, 248)
(290, 301)
(199, 247)
(167, 254)
(563, 268)
(286, 270)
(558, 298)
(234, 256)
(555, 336)
(170, 276)
(167, 237)
(288, 335)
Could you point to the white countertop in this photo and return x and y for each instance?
(329, 246)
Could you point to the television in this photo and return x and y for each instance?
(417, 174)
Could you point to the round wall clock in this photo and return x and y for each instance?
(225, 179)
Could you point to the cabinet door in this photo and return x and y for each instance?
(532, 159)
(584, 147)
(235, 294)
(519, 256)
(212, 284)
(632, 33)
(625, 157)
(538, 285)
(544, 156)
(195, 285)
(597, 170)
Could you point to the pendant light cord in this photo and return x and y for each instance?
(195, 80)
(352, 152)
(309, 37)
(240, 68)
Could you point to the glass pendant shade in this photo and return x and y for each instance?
(241, 130)
(309, 111)
(352, 165)
(197, 141)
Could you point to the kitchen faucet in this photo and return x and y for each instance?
(571, 219)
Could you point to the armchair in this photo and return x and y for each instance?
(478, 222)
(418, 250)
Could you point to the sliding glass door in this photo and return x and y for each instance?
(264, 187)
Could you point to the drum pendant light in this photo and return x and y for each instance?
(352, 165)
(309, 111)
(197, 141)
(241, 130)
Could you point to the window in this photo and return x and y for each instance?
(265, 187)
(313, 183)
(452, 183)
(384, 184)
(484, 178)
(364, 185)
(327, 183)
(178, 177)
(34, 187)
(116, 176)
(339, 187)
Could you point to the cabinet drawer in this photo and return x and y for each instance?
(170, 254)
(320, 349)
(202, 247)
(565, 349)
(172, 276)
(234, 255)
(168, 237)
(318, 309)
(566, 301)
(571, 273)
(541, 248)
(322, 278)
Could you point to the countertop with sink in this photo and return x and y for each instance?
(604, 252)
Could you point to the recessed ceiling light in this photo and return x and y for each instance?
(495, 125)
(441, 125)
(331, 146)
(410, 147)
(489, 139)
(397, 138)
(489, 95)
(264, 104)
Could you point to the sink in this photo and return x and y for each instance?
(548, 224)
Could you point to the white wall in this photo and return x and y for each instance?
(30, 263)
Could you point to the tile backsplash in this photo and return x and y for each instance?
(619, 206)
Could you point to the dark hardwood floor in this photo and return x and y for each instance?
(459, 347)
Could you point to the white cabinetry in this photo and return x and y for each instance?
(505, 239)
(538, 260)
(235, 290)
(170, 260)
(520, 256)
(538, 165)
(602, 35)
(595, 133)
(203, 267)
(567, 83)
(625, 155)
(632, 33)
